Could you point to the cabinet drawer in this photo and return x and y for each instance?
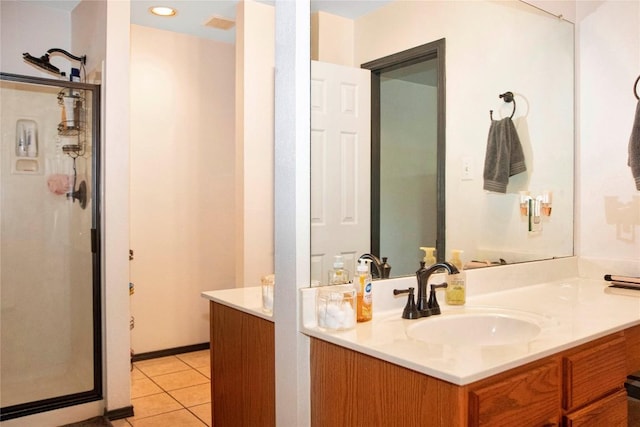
(528, 399)
(610, 411)
(594, 372)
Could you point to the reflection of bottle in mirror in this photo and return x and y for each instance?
(429, 255)
(455, 293)
(546, 203)
(386, 268)
(524, 203)
(535, 208)
(362, 283)
(339, 275)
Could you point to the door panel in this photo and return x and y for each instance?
(340, 166)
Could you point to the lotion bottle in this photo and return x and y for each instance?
(362, 283)
(429, 257)
(455, 293)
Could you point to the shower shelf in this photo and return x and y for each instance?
(65, 129)
(73, 122)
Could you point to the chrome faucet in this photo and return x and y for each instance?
(381, 272)
(423, 275)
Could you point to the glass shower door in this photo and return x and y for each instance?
(50, 339)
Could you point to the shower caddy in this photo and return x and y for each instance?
(73, 123)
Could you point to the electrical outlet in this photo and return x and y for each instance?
(467, 169)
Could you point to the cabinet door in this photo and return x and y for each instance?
(353, 389)
(529, 399)
(610, 411)
(227, 394)
(594, 372)
(242, 369)
(259, 377)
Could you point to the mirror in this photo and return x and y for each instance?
(491, 47)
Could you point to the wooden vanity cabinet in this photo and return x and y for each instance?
(579, 387)
(242, 368)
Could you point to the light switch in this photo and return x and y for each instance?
(467, 169)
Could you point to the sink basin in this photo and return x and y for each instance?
(474, 329)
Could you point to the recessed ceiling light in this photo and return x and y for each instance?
(163, 11)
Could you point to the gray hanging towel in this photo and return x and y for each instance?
(504, 156)
(634, 148)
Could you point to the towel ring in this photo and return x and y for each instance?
(635, 88)
(508, 97)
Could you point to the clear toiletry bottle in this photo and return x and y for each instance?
(429, 257)
(455, 293)
(362, 283)
(339, 275)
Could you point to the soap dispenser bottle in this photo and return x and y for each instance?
(455, 292)
(339, 275)
(429, 257)
(362, 283)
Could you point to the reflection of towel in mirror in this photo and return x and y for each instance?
(504, 157)
(634, 148)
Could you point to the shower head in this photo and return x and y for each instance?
(81, 59)
(42, 62)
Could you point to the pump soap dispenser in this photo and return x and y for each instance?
(429, 257)
(455, 293)
(362, 283)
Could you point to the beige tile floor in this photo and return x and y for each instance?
(171, 391)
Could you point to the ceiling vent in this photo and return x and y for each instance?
(220, 23)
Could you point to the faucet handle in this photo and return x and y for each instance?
(410, 310)
(433, 302)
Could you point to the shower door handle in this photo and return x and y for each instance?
(94, 240)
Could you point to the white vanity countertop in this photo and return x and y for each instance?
(570, 312)
(248, 300)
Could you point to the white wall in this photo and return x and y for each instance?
(608, 205)
(332, 39)
(255, 47)
(115, 174)
(182, 183)
(89, 29)
(32, 29)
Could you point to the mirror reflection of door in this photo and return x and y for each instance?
(408, 156)
(340, 166)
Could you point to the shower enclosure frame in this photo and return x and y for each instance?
(38, 406)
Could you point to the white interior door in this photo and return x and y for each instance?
(340, 166)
